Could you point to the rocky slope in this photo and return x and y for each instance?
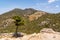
(36, 15)
(45, 34)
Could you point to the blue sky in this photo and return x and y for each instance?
(52, 6)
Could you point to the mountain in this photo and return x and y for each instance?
(34, 20)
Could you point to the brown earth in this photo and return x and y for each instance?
(36, 15)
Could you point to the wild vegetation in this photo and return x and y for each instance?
(18, 22)
(48, 20)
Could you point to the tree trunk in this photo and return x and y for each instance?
(16, 31)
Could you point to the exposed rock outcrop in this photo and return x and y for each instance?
(36, 15)
(7, 22)
(45, 34)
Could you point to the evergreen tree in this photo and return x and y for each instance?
(18, 22)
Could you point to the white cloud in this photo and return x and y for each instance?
(57, 6)
(51, 1)
(41, 4)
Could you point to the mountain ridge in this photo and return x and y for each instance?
(45, 21)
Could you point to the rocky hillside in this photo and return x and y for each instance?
(36, 15)
(34, 21)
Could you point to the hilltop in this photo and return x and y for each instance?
(34, 20)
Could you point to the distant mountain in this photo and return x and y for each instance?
(35, 20)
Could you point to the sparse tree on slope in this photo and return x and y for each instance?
(18, 22)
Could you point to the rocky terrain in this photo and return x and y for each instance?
(34, 21)
(36, 15)
(45, 34)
